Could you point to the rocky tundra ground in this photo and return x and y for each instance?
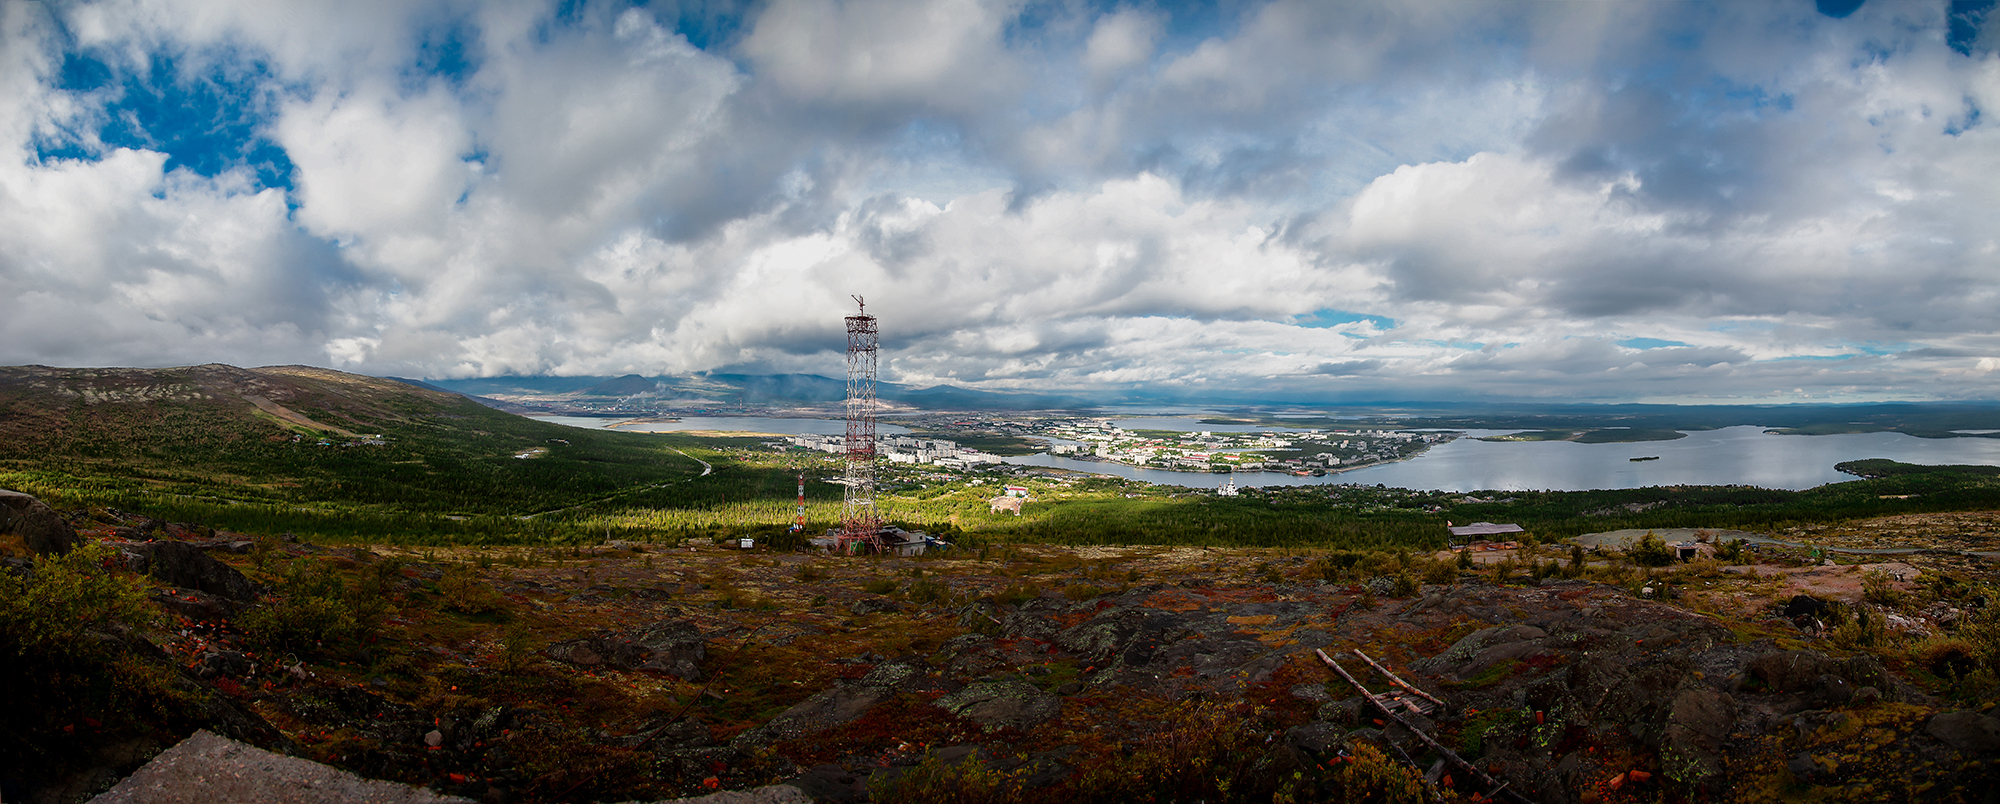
(1028, 673)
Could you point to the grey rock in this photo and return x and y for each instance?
(1803, 766)
(39, 526)
(1005, 703)
(889, 674)
(189, 567)
(1346, 712)
(1698, 722)
(770, 794)
(842, 703)
(674, 647)
(1316, 738)
(874, 605)
(1968, 731)
(223, 664)
(207, 768)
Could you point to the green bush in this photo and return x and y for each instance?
(464, 591)
(881, 586)
(50, 611)
(1875, 588)
(1651, 552)
(71, 681)
(316, 613)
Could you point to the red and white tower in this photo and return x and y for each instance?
(860, 523)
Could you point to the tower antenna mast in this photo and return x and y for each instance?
(860, 523)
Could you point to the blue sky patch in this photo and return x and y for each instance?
(1326, 317)
(207, 120)
(1649, 343)
(449, 51)
(1966, 18)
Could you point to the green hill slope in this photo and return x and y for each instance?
(225, 444)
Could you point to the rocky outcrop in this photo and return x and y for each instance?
(1009, 702)
(39, 526)
(189, 567)
(1967, 731)
(844, 702)
(674, 647)
(208, 767)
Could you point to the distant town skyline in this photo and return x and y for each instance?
(1445, 200)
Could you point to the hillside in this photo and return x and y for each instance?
(212, 439)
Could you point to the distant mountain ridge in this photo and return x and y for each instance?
(763, 389)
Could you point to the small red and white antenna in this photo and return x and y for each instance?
(799, 522)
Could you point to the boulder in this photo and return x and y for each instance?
(189, 567)
(1803, 609)
(674, 647)
(1818, 679)
(1009, 702)
(1698, 723)
(223, 664)
(208, 767)
(39, 526)
(1968, 731)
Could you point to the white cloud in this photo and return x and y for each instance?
(1079, 200)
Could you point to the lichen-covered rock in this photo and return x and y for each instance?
(39, 526)
(844, 702)
(1698, 723)
(1004, 703)
(674, 647)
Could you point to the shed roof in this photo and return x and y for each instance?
(1485, 529)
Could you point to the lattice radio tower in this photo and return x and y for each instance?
(860, 523)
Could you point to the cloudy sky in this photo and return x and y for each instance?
(1403, 199)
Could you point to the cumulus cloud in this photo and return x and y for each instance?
(1309, 201)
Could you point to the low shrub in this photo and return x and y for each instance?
(464, 591)
(968, 781)
(1017, 594)
(1082, 591)
(315, 614)
(928, 591)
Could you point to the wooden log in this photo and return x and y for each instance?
(1397, 680)
(1495, 787)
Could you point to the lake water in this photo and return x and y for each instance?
(727, 424)
(1730, 456)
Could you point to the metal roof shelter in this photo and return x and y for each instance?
(1485, 529)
